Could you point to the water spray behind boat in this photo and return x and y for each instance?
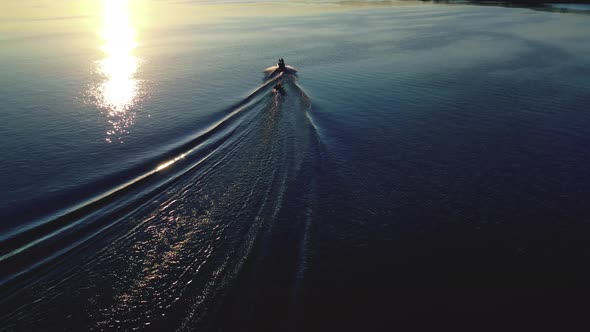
(277, 72)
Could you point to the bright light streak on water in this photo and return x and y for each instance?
(119, 91)
(170, 162)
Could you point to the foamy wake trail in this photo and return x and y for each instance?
(274, 71)
(165, 249)
(26, 249)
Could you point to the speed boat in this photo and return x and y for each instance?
(280, 68)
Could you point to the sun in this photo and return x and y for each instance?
(120, 64)
(118, 91)
(117, 31)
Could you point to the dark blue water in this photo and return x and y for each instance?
(426, 165)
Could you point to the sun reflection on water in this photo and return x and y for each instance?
(119, 90)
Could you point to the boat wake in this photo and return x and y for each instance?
(168, 247)
(274, 71)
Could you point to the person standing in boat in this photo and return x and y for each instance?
(281, 64)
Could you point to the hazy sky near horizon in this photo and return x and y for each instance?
(33, 17)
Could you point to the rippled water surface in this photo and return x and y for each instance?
(423, 164)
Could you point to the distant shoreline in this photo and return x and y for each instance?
(581, 7)
(516, 2)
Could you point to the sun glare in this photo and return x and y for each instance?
(119, 90)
